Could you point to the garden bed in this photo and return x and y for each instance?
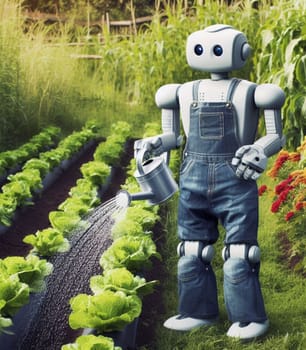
(43, 323)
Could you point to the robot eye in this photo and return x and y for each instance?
(218, 51)
(198, 50)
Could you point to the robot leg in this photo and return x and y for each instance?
(242, 293)
(198, 304)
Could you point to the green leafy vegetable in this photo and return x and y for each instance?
(121, 279)
(38, 164)
(47, 242)
(13, 293)
(8, 205)
(31, 270)
(76, 205)
(126, 228)
(65, 222)
(95, 171)
(105, 312)
(4, 321)
(92, 342)
(134, 253)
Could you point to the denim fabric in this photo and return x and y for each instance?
(242, 294)
(197, 284)
(210, 192)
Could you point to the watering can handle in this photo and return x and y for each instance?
(139, 160)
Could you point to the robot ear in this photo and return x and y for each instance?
(245, 51)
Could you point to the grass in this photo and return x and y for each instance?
(41, 84)
(283, 290)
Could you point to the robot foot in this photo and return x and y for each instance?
(181, 323)
(248, 332)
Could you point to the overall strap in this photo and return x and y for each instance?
(195, 89)
(230, 92)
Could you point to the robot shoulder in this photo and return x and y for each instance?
(166, 96)
(269, 96)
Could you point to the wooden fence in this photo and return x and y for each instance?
(126, 27)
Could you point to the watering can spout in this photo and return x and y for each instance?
(124, 198)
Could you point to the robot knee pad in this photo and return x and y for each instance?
(200, 249)
(251, 253)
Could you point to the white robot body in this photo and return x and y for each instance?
(248, 99)
(219, 49)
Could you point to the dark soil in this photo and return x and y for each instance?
(43, 323)
(35, 217)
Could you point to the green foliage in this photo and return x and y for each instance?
(105, 312)
(96, 171)
(30, 270)
(121, 279)
(13, 293)
(65, 221)
(47, 242)
(131, 252)
(92, 342)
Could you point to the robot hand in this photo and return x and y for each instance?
(250, 161)
(153, 145)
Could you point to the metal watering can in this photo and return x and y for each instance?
(154, 178)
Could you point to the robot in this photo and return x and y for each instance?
(220, 166)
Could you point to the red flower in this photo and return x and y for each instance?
(262, 189)
(283, 185)
(289, 215)
(275, 206)
(299, 206)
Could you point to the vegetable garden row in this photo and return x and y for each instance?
(116, 299)
(107, 314)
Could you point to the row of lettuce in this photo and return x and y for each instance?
(19, 276)
(117, 293)
(23, 185)
(11, 160)
(289, 202)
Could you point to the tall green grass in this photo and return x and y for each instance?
(41, 81)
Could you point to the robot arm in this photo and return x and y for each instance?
(251, 160)
(166, 99)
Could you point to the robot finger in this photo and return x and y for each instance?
(255, 175)
(248, 173)
(241, 169)
(235, 161)
(241, 151)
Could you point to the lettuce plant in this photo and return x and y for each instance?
(4, 321)
(13, 294)
(41, 165)
(47, 242)
(30, 270)
(134, 253)
(30, 177)
(92, 342)
(105, 312)
(146, 218)
(8, 205)
(65, 221)
(109, 152)
(121, 279)
(95, 171)
(86, 191)
(76, 205)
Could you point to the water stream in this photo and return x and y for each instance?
(44, 323)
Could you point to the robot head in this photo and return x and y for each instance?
(218, 48)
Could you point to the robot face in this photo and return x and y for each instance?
(218, 48)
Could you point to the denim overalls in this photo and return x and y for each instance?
(210, 192)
